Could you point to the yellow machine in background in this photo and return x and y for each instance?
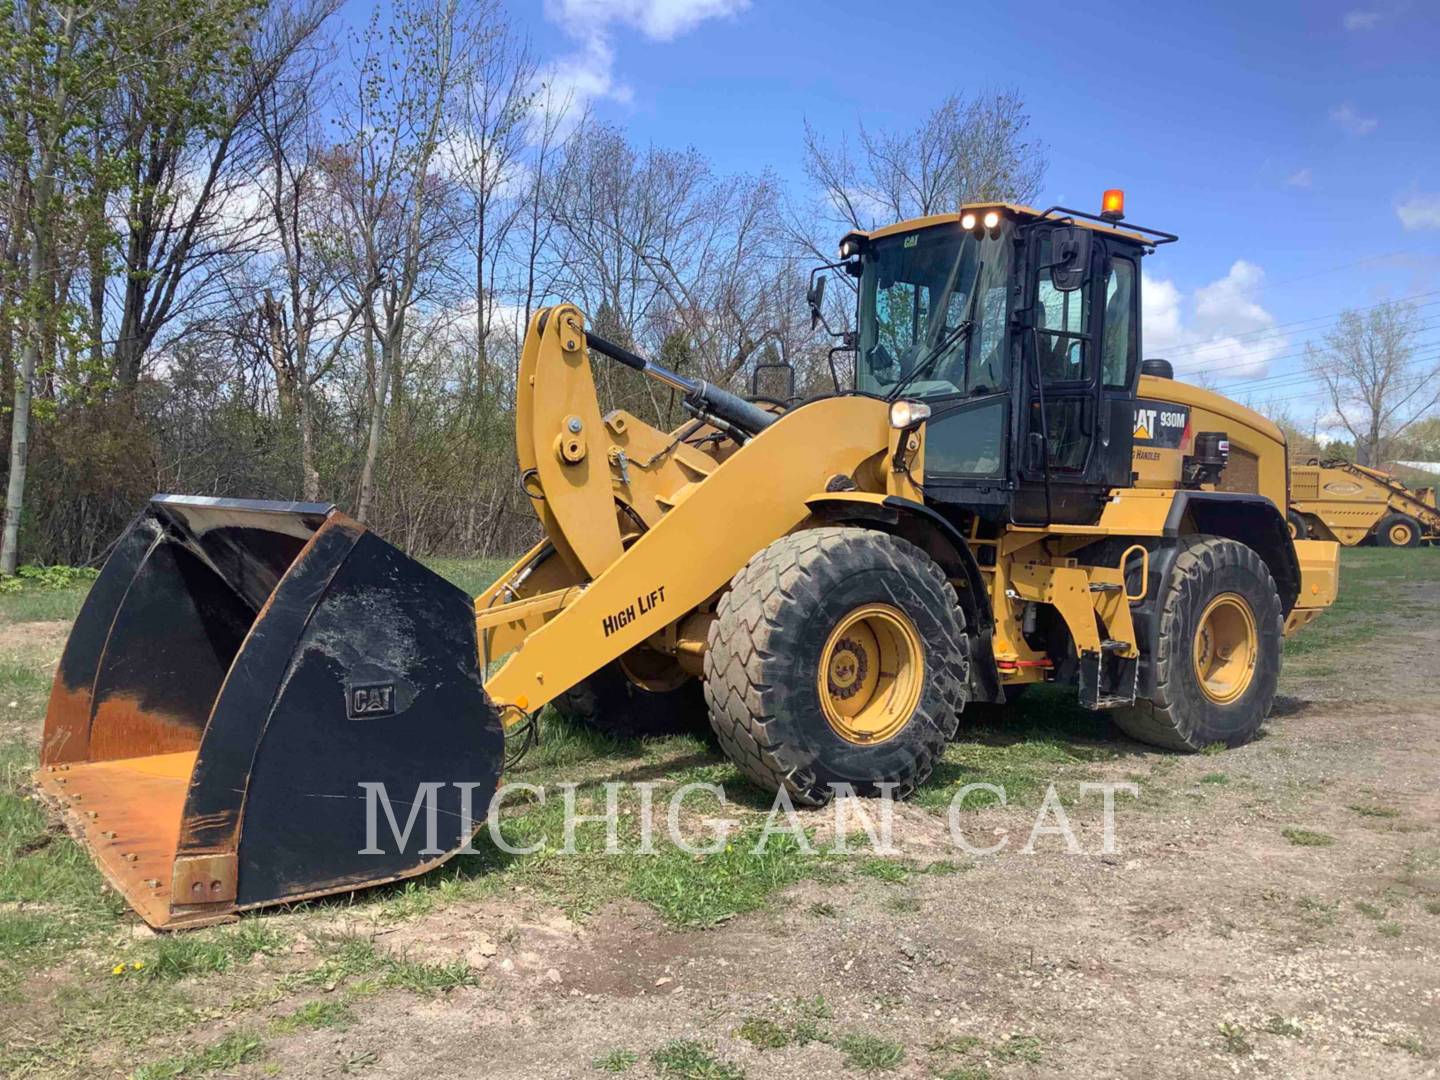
(1352, 504)
(1006, 495)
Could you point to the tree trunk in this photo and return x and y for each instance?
(20, 421)
(309, 476)
(377, 422)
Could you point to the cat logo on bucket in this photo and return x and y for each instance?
(365, 702)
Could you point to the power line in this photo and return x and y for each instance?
(1325, 390)
(1260, 358)
(1332, 317)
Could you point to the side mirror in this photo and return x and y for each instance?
(1070, 257)
(787, 371)
(815, 297)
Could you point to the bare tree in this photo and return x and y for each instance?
(1376, 385)
(390, 200)
(494, 107)
(965, 150)
(186, 121)
(304, 330)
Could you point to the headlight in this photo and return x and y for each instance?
(992, 219)
(906, 414)
(967, 221)
(849, 247)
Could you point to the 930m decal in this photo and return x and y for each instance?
(1161, 425)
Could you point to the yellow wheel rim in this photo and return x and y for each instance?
(872, 670)
(1293, 532)
(1400, 534)
(1226, 647)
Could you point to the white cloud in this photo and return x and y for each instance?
(589, 73)
(1301, 178)
(1360, 20)
(1352, 121)
(658, 20)
(1420, 211)
(1220, 331)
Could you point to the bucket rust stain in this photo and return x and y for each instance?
(124, 728)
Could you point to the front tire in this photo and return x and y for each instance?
(1397, 530)
(839, 656)
(1217, 658)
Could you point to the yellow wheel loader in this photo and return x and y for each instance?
(1005, 495)
(1353, 504)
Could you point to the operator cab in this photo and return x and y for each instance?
(1020, 330)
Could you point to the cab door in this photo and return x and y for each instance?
(1077, 392)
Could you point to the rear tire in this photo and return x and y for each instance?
(1217, 658)
(612, 702)
(839, 655)
(1299, 530)
(1397, 530)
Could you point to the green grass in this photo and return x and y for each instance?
(1027, 1049)
(957, 1044)
(1318, 913)
(207, 952)
(870, 1053)
(229, 1053)
(1307, 837)
(1045, 737)
(1279, 1025)
(1234, 1040)
(686, 1059)
(34, 601)
(616, 1061)
(891, 871)
(1411, 1044)
(314, 1015)
(56, 911)
(691, 890)
(356, 958)
(763, 1033)
(60, 897)
(472, 575)
(1374, 584)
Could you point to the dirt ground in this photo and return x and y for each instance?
(1119, 966)
(1269, 911)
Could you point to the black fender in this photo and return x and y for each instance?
(1253, 520)
(939, 539)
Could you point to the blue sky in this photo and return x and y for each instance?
(1295, 147)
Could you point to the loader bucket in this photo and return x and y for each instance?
(241, 680)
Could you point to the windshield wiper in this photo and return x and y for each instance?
(946, 340)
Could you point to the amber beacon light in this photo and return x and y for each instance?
(1112, 205)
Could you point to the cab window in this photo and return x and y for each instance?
(1062, 322)
(1119, 346)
